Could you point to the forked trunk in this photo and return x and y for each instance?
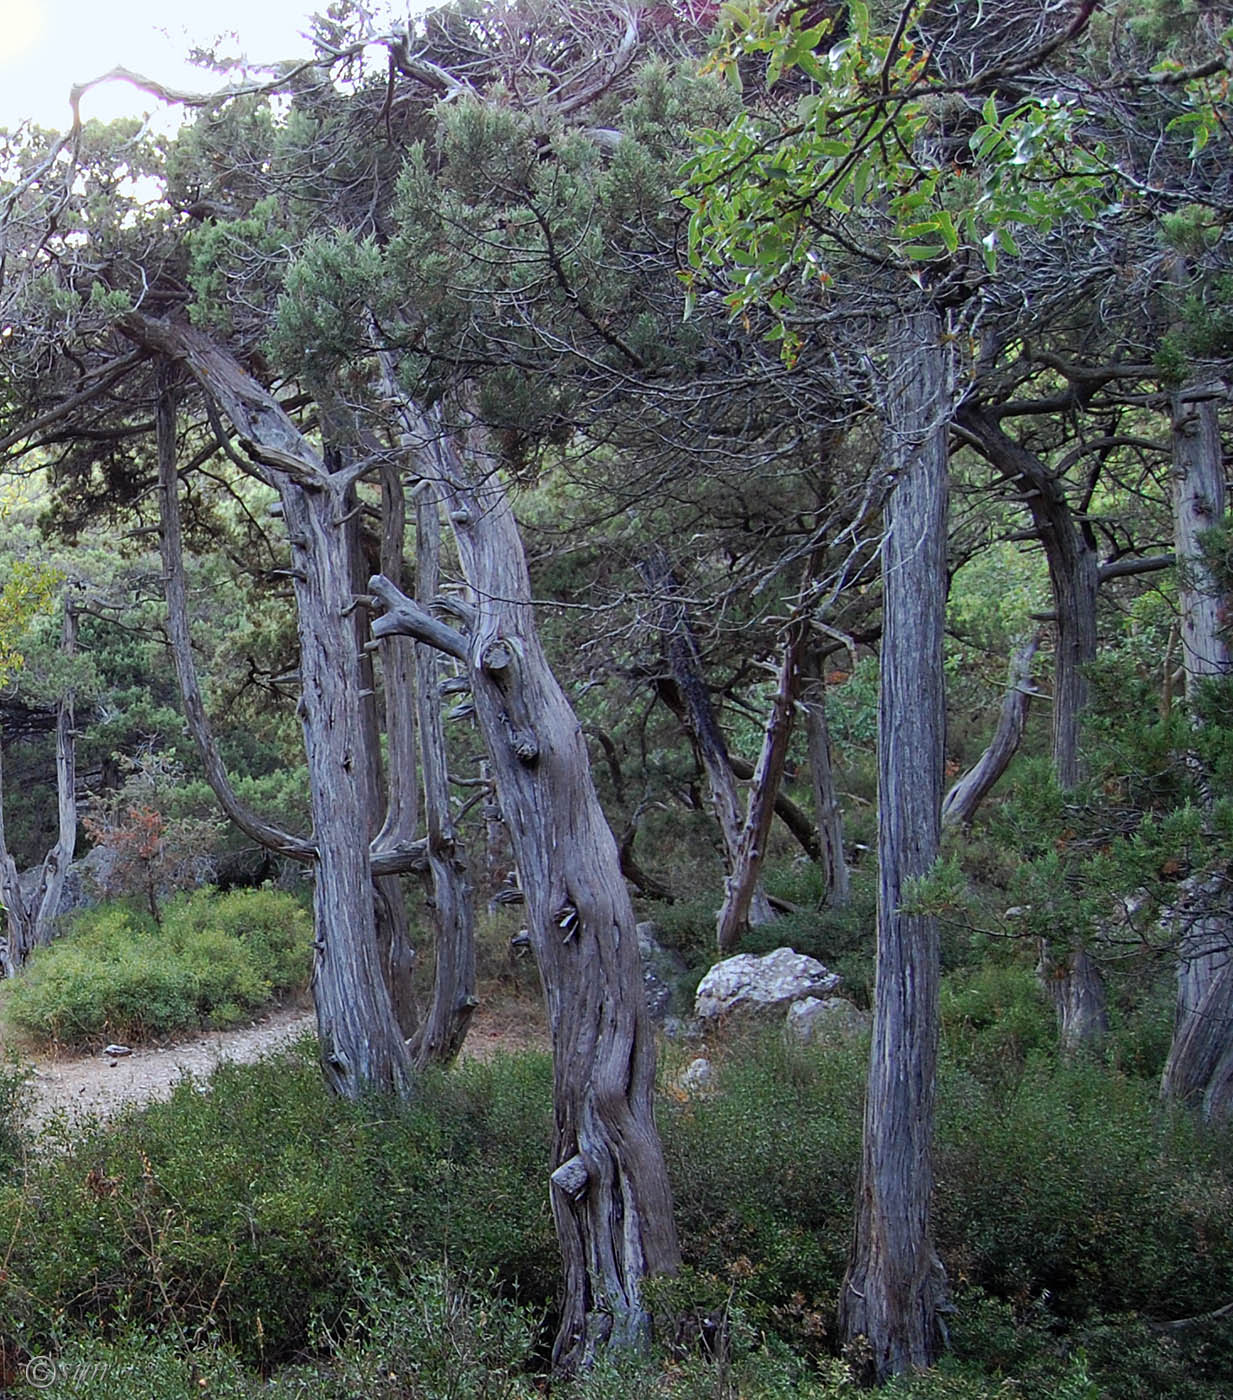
(742, 883)
(895, 1286)
(362, 1046)
(609, 1186)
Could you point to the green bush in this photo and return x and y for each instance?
(116, 975)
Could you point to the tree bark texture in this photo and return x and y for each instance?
(1198, 505)
(361, 1043)
(974, 786)
(685, 662)
(825, 798)
(1199, 1070)
(1074, 576)
(453, 994)
(1077, 991)
(895, 1285)
(31, 913)
(609, 1186)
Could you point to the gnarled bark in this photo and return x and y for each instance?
(609, 1187)
(974, 786)
(361, 1043)
(1200, 1061)
(895, 1285)
(30, 913)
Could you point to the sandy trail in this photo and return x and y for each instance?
(100, 1085)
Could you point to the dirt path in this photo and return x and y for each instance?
(99, 1085)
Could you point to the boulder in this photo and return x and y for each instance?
(749, 984)
(697, 1079)
(662, 969)
(814, 1020)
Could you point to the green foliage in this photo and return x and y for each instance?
(994, 1016)
(117, 976)
(854, 146)
(263, 1212)
(14, 1102)
(1116, 1207)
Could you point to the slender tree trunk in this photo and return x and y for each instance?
(895, 1285)
(453, 997)
(31, 914)
(686, 664)
(742, 883)
(391, 804)
(609, 1185)
(1198, 1070)
(975, 785)
(825, 798)
(362, 1046)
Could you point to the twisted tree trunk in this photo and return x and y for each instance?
(609, 1186)
(895, 1285)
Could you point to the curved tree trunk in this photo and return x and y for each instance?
(31, 912)
(1200, 1054)
(609, 1186)
(895, 1285)
(974, 786)
(1074, 576)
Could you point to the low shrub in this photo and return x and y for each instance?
(116, 975)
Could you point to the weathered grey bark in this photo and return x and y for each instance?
(609, 1186)
(392, 793)
(361, 1044)
(1200, 1061)
(1077, 991)
(1198, 505)
(1074, 576)
(741, 885)
(895, 1285)
(30, 913)
(797, 821)
(974, 786)
(686, 664)
(1199, 1070)
(453, 997)
(825, 798)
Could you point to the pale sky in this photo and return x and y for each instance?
(48, 45)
